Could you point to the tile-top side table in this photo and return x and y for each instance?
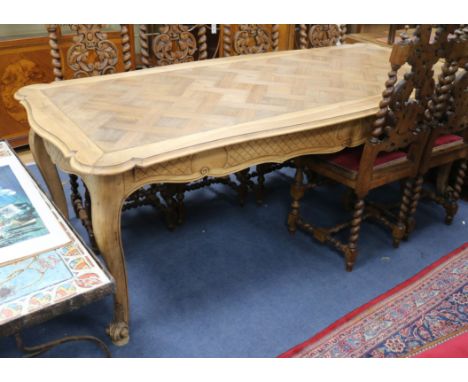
(45, 269)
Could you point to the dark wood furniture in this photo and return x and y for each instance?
(239, 39)
(384, 35)
(447, 116)
(392, 151)
(319, 35)
(166, 44)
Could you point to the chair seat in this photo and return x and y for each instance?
(447, 140)
(349, 159)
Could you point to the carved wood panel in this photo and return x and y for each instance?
(237, 39)
(236, 157)
(167, 44)
(89, 51)
(319, 35)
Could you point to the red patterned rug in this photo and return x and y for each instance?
(426, 316)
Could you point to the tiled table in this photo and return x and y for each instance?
(37, 282)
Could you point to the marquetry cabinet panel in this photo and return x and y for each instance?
(25, 61)
(22, 62)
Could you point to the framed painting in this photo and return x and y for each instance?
(27, 225)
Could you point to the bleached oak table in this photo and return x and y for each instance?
(183, 122)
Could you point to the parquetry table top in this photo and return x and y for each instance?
(116, 122)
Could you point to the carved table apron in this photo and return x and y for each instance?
(179, 124)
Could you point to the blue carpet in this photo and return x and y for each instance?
(232, 282)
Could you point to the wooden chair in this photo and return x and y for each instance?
(172, 44)
(89, 53)
(319, 35)
(239, 39)
(447, 117)
(392, 151)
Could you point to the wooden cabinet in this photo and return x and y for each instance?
(23, 61)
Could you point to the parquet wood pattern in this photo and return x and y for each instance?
(180, 107)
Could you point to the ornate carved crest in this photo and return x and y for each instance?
(251, 38)
(324, 35)
(404, 102)
(91, 54)
(174, 44)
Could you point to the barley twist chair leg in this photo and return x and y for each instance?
(400, 230)
(87, 221)
(260, 191)
(351, 251)
(170, 213)
(180, 194)
(415, 196)
(297, 192)
(75, 193)
(243, 187)
(451, 207)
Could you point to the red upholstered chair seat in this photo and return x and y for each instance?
(349, 159)
(447, 140)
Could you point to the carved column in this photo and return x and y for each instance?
(144, 46)
(126, 49)
(52, 29)
(227, 40)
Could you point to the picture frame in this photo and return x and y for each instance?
(27, 225)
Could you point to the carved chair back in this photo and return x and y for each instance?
(319, 35)
(238, 39)
(172, 44)
(400, 122)
(448, 109)
(90, 52)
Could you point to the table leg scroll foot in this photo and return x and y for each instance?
(118, 333)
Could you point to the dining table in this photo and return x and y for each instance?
(181, 123)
